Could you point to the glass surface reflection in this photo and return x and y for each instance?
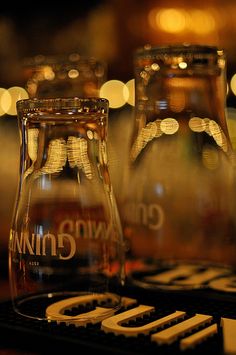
(65, 239)
(179, 211)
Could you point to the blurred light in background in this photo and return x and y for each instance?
(9, 97)
(170, 20)
(48, 73)
(177, 99)
(118, 93)
(177, 20)
(113, 90)
(131, 92)
(5, 101)
(233, 84)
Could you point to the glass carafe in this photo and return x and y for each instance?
(178, 212)
(65, 250)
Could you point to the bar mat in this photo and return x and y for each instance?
(43, 337)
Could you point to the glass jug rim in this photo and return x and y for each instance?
(32, 104)
(58, 61)
(178, 49)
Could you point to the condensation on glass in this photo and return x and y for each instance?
(179, 207)
(65, 239)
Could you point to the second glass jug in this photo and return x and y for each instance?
(178, 212)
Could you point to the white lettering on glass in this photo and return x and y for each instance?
(148, 215)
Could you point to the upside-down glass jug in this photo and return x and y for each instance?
(178, 212)
(66, 259)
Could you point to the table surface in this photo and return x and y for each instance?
(210, 303)
(5, 295)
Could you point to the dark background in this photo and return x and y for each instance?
(110, 30)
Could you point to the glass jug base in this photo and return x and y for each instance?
(79, 308)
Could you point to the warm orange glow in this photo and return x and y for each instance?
(210, 158)
(201, 22)
(48, 73)
(171, 20)
(177, 20)
(152, 18)
(177, 100)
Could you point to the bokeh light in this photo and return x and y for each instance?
(130, 85)
(5, 101)
(116, 92)
(9, 97)
(233, 84)
(171, 20)
(169, 125)
(177, 20)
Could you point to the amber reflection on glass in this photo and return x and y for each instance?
(77, 150)
(170, 126)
